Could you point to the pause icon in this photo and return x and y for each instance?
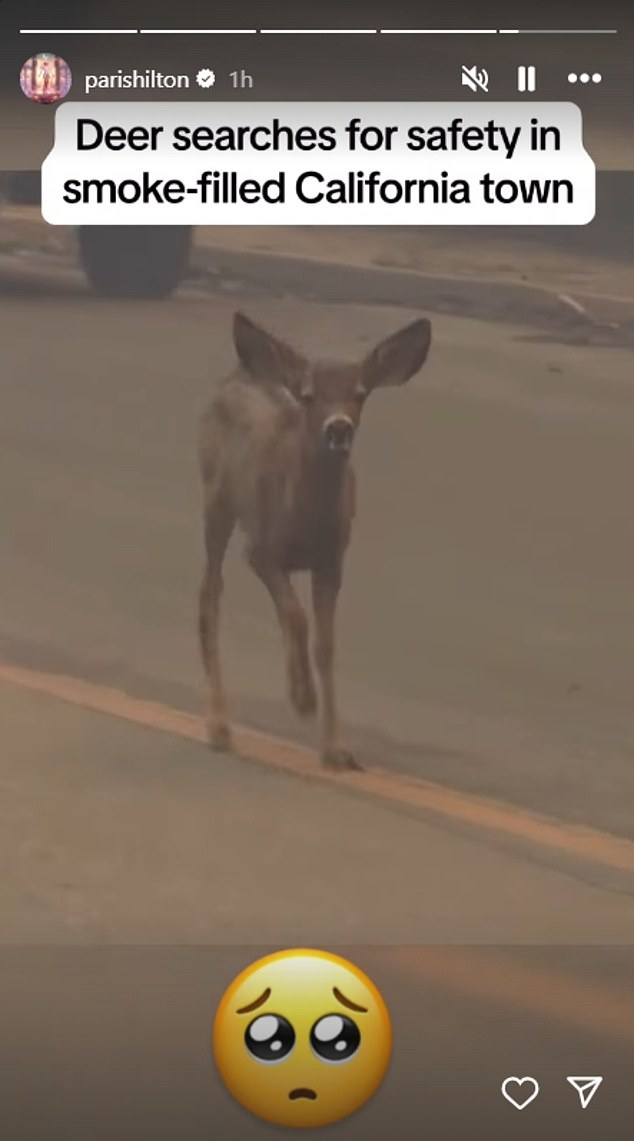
(526, 79)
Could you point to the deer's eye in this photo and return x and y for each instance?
(307, 396)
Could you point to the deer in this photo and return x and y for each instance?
(275, 446)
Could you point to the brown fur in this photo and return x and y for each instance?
(269, 463)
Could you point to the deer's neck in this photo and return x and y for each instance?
(318, 524)
(324, 476)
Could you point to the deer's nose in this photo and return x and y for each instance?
(338, 433)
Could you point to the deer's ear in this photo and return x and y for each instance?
(265, 357)
(398, 357)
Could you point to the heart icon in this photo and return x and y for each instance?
(520, 1098)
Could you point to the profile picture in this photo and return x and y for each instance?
(46, 78)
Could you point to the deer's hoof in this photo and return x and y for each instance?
(303, 695)
(220, 739)
(342, 760)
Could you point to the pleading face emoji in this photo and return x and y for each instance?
(302, 1038)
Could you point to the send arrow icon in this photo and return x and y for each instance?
(586, 1088)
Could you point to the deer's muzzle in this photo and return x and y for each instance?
(338, 433)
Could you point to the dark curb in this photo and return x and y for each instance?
(483, 298)
(596, 317)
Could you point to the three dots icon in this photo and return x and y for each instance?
(584, 77)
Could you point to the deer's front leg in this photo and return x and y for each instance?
(294, 627)
(218, 528)
(326, 583)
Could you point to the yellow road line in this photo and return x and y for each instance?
(495, 979)
(586, 844)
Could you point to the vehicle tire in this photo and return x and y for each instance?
(134, 261)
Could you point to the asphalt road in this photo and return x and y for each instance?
(483, 643)
(114, 834)
(483, 635)
(483, 630)
(117, 1041)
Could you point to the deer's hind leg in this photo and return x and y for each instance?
(219, 522)
(294, 627)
